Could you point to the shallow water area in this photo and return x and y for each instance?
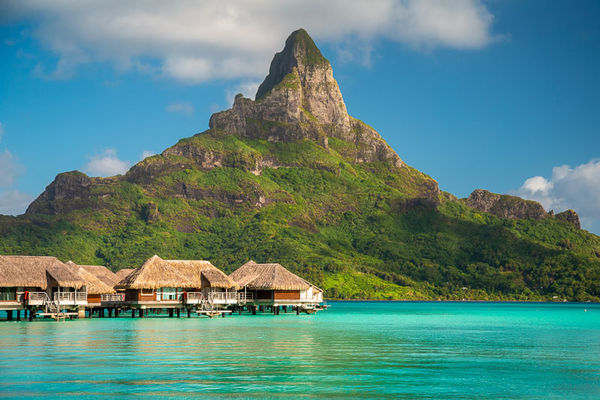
(355, 349)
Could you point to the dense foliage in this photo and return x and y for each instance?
(354, 229)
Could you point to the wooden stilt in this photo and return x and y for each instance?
(18, 315)
(178, 312)
(9, 315)
(133, 313)
(170, 313)
(189, 311)
(297, 310)
(116, 313)
(240, 309)
(253, 310)
(31, 315)
(141, 313)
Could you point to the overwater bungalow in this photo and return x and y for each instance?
(177, 284)
(96, 288)
(36, 283)
(273, 285)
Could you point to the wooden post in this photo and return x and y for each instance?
(189, 311)
(141, 313)
(18, 315)
(170, 313)
(133, 313)
(240, 309)
(297, 310)
(253, 310)
(110, 313)
(116, 313)
(31, 315)
(9, 315)
(178, 312)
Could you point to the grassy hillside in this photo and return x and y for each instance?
(358, 230)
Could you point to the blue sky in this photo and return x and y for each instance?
(501, 95)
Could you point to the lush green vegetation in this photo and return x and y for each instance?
(358, 230)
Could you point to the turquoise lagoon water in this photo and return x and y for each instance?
(354, 349)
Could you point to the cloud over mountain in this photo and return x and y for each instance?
(568, 188)
(197, 41)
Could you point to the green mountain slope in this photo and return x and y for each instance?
(291, 177)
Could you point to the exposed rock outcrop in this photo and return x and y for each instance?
(300, 99)
(569, 216)
(62, 194)
(505, 206)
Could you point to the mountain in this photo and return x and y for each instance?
(290, 177)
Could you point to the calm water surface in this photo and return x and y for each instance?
(355, 349)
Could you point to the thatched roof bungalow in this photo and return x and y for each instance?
(273, 282)
(19, 274)
(95, 286)
(166, 280)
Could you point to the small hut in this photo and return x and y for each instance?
(35, 280)
(209, 281)
(95, 286)
(154, 282)
(273, 284)
(192, 281)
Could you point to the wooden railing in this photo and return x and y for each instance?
(195, 296)
(223, 296)
(70, 297)
(113, 298)
(245, 297)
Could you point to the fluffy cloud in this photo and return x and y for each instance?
(184, 108)
(13, 202)
(195, 41)
(576, 188)
(106, 164)
(10, 169)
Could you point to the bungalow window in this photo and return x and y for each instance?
(169, 294)
(8, 294)
(147, 292)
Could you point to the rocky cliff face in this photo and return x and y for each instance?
(300, 99)
(569, 216)
(505, 206)
(512, 207)
(60, 196)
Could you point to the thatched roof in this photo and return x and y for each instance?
(122, 273)
(36, 271)
(103, 273)
(268, 277)
(195, 270)
(93, 284)
(155, 273)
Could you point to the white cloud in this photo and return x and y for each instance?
(10, 169)
(13, 202)
(184, 108)
(106, 164)
(147, 153)
(195, 41)
(568, 188)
